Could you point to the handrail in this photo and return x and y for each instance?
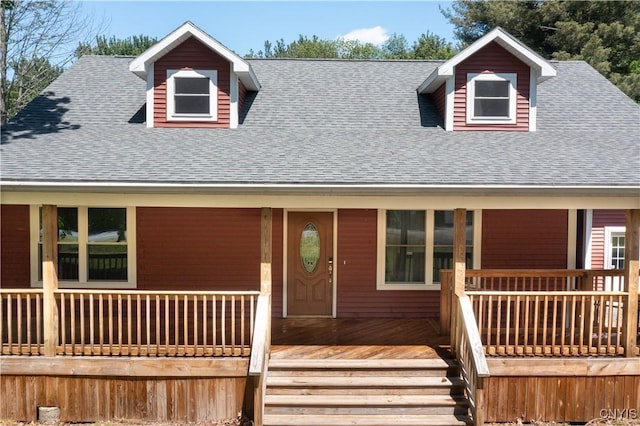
(156, 292)
(470, 355)
(259, 346)
(258, 363)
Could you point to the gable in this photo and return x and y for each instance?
(192, 55)
(492, 59)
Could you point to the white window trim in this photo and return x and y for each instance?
(212, 75)
(472, 78)
(429, 224)
(83, 282)
(609, 231)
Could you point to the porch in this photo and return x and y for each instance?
(542, 336)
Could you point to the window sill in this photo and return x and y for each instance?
(407, 287)
(91, 285)
(205, 119)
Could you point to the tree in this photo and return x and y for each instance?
(130, 46)
(428, 46)
(605, 34)
(431, 46)
(36, 42)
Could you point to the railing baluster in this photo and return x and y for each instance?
(222, 323)
(91, 323)
(72, 323)
(167, 324)
(157, 320)
(147, 308)
(214, 319)
(129, 324)
(28, 319)
(195, 324)
(82, 317)
(233, 324)
(101, 322)
(19, 321)
(185, 325)
(205, 324)
(120, 324)
(139, 323)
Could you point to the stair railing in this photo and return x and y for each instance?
(469, 352)
(258, 363)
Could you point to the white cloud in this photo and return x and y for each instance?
(375, 35)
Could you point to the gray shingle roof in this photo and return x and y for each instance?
(322, 122)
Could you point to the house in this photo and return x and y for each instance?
(159, 212)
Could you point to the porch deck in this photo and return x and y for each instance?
(358, 338)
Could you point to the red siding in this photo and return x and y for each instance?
(602, 218)
(14, 246)
(521, 239)
(493, 59)
(356, 267)
(439, 99)
(191, 54)
(198, 249)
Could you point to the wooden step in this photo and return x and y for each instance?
(364, 400)
(356, 364)
(364, 381)
(389, 392)
(364, 420)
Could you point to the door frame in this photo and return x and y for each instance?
(285, 258)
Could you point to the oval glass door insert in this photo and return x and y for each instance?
(310, 247)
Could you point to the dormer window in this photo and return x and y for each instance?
(491, 98)
(192, 95)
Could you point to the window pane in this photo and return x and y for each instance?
(492, 89)
(191, 85)
(443, 242)
(491, 107)
(67, 224)
(405, 264)
(443, 233)
(107, 262)
(68, 262)
(405, 227)
(191, 104)
(107, 225)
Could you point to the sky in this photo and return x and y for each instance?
(245, 25)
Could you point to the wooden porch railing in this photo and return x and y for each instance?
(467, 346)
(545, 312)
(549, 323)
(131, 323)
(21, 328)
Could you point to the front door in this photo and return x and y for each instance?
(310, 264)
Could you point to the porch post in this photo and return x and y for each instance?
(50, 278)
(459, 250)
(265, 251)
(631, 267)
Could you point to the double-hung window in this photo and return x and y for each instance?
(414, 245)
(491, 98)
(95, 247)
(192, 95)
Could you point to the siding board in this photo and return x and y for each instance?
(602, 219)
(524, 239)
(494, 59)
(356, 267)
(14, 246)
(191, 54)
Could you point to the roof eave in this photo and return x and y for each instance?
(544, 70)
(140, 65)
(320, 189)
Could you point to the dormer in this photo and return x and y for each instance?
(491, 85)
(193, 81)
